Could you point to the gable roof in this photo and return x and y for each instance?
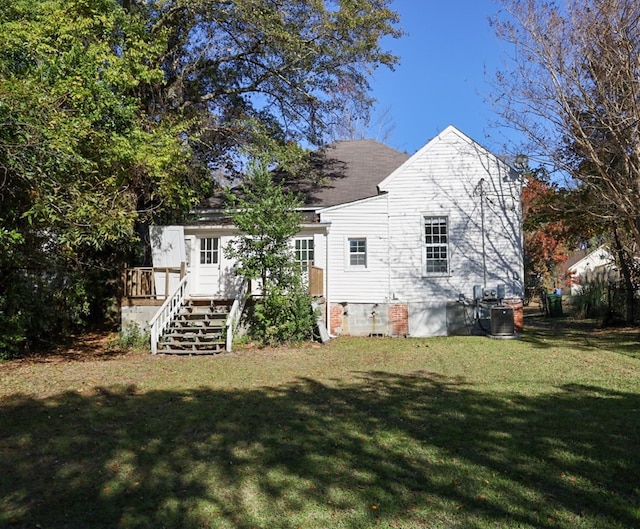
(576, 256)
(599, 256)
(450, 130)
(350, 170)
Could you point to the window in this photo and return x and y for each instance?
(209, 250)
(358, 252)
(436, 243)
(304, 252)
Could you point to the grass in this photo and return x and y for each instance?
(466, 432)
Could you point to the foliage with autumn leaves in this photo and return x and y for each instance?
(546, 235)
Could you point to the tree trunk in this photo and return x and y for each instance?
(626, 275)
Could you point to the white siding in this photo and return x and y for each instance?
(444, 179)
(363, 219)
(584, 270)
(320, 250)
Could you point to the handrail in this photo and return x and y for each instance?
(234, 314)
(167, 311)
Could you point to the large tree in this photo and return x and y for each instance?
(114, 113)
(259, 73)
(546, 235)
(572, 88)
(81, 163)
(75, 149)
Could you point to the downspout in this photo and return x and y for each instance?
(484, 255)
(326, 284)
(389, 290)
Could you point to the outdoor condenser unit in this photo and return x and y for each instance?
(502, 321)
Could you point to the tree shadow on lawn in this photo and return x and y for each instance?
(568, 331)
(386, 450)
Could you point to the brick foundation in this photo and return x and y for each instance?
(335, 318)
(399, 319)
(369, 319)
(518, 314)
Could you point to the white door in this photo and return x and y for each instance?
(207, 267)
(167, 252)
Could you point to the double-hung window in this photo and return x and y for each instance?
(436, 242)
(358, 252)
(209, 250)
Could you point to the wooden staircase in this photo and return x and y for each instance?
(197, 328)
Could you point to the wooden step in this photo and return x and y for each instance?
(198, 328)
(186, 324)
(210, 303)
(190, 338)
(185, 312)
(214, 348)
(198, 316)
(178, 344)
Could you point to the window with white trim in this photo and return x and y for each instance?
(358, 252)
(436, 242)
(303, 252)
(209, 251)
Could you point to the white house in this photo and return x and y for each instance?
(589, 265)
(401, 241)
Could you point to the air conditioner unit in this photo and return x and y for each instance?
(502, 321)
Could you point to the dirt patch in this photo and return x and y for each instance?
(80, 348)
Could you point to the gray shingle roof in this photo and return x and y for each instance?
(349, 170)
(342, 172)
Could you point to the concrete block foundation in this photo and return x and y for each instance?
(369, 319)
(138, 315)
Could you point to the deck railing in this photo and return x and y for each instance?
(139, 283)
(167, 312)
(233, 319)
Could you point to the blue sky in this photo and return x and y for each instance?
(446, 58)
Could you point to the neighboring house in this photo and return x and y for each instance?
(400, 241)
(589, 265)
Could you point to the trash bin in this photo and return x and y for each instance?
(554, 304)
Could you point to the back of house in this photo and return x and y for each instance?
(394, 245)
(404, 262)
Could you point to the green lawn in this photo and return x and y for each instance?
(464, 432)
